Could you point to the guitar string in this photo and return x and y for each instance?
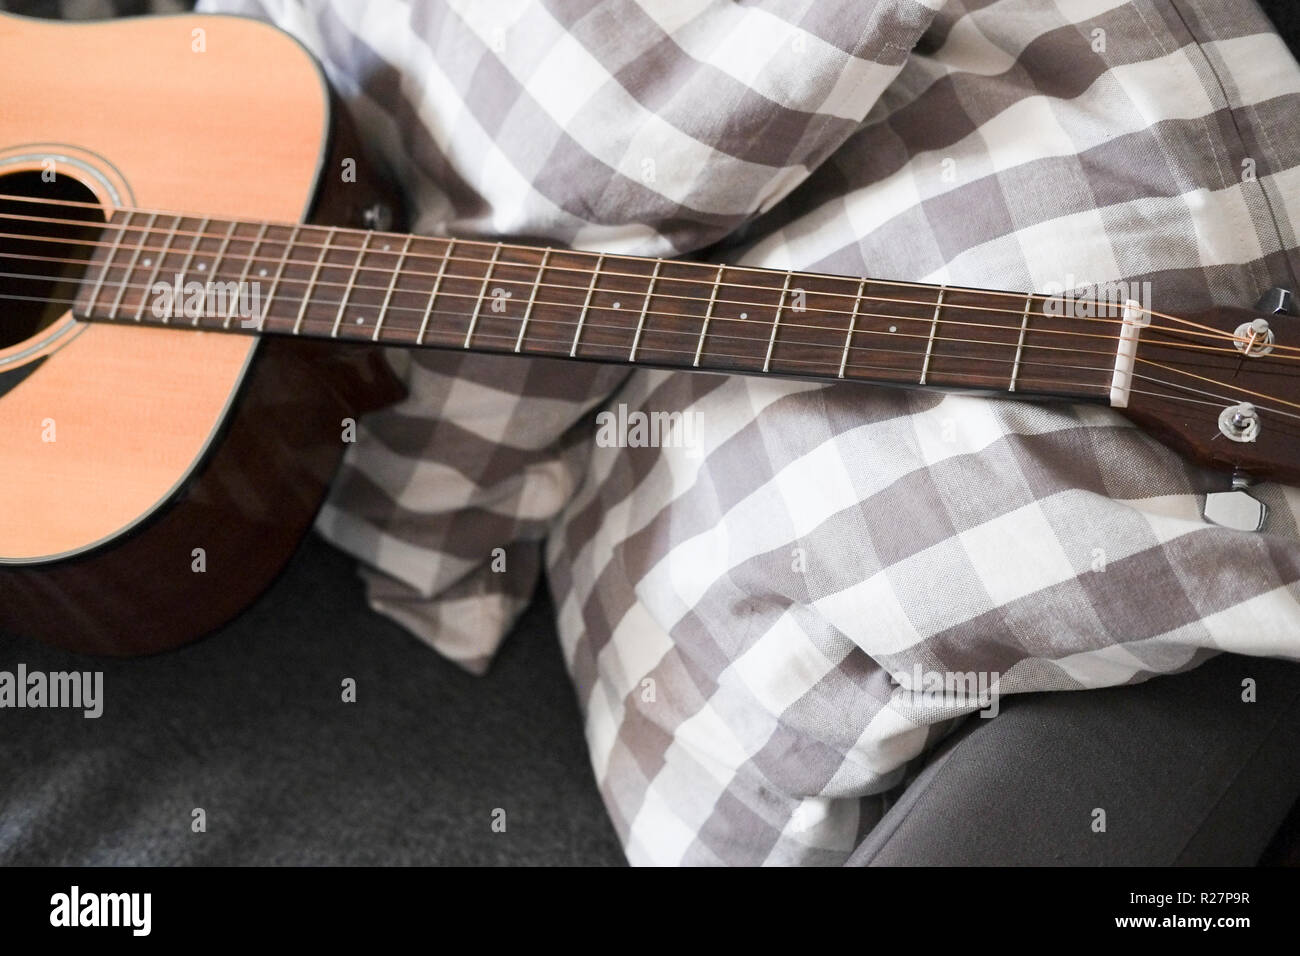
(330, 232)
(507, 338)
(835, 348)
(945, 338)
(315, 324)
(1236, 340)
(1208, 332)
(285, 259)
(1202, 378)
(822, 365)
(479, 242)
(1016, 298)
(761, 338)
(1231, 338)
(320, 283)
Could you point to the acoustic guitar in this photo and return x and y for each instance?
(181, 352)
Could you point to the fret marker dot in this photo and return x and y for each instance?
(893, 328)
(202, 266)
(360, 320)
(617, 306)
(148, 262)
(387, 247)
(744, 315)
(261, 272)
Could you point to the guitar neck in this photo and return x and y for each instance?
(411, 291)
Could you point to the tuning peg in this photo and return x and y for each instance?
(1236, 509)
(1277, 301)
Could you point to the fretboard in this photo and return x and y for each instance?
(417, 291)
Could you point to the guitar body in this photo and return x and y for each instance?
(153, 481)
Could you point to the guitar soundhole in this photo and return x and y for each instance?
(40, 269)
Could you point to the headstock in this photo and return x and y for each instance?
(1223, 387)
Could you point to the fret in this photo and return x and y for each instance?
(108, 262)
(776, 323)
(352, 281)
(713, 299)
(478, 306)
(532, 298)
(130, 270)
(586, 304)
(1020, 345)
(433, 295)
(311, 282)
(934, 328)
(189, 257)
(216, 263)
(279, 273)
(392, 286)
(221, 249)
(853, 321)
(640, 322)
(243, 273)
(153, 276)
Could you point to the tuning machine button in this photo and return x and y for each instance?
(1236, 509)
(1277, 301)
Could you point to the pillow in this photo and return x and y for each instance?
(756, 625)
(623, 127)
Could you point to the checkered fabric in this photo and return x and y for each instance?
(580, 123)
(750, 622)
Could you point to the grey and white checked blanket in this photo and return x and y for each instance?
(752, 621)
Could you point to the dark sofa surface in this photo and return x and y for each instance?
(249, 725)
